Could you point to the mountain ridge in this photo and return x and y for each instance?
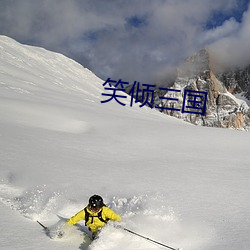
(223, 109)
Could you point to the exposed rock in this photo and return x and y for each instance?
(237, 81)
(222, 108)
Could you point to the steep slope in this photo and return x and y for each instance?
(183, 185)
(237, 81)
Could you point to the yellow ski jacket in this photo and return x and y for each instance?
(94, 223)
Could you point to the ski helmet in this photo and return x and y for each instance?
(95, 202)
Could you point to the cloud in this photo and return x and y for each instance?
(138, 40)
(233, 49)
(228, 28)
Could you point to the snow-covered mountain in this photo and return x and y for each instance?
(223, 109)
(182, 185)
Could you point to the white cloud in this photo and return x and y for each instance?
(100, 33)
(233, 50)
(228, 28)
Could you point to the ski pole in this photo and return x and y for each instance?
(45, 228)
(146, 238)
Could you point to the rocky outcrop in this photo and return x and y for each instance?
(237, 81)
(223, 109)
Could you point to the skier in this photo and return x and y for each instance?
(95, 214)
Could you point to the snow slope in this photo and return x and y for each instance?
(176, 183)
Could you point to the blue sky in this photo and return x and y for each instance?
(218, 17)
(140, 40)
